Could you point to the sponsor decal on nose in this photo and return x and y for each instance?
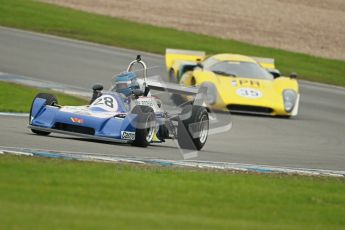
(77, 120)
(255, 83)
(249, 83)
(127, 135)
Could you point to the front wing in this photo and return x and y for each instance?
(99, 138)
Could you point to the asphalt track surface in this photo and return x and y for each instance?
(314, 139)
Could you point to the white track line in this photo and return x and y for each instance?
(14, 114)
(181, 163)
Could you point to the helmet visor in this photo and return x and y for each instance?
(122, 85)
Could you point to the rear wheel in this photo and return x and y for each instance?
(145, 125)
(172, 77)
(193, 127)
(50, 100)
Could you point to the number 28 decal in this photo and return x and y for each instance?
(106, 102)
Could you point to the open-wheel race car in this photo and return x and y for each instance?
(127, 113)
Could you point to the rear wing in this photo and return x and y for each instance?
(172, 88)
(267, 63)
(173, 55)
(199, 94)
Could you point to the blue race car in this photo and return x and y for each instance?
(127, 114)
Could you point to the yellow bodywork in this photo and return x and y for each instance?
(174, 58)
(270, 91)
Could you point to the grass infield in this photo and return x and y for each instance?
(51, 19)
(18, 98)
(40, 193)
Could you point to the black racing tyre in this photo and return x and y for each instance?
(178, 99)
(194, 119)
(172, 77)
(145, 124)
(50, 100)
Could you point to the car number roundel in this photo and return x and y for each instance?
(249, 93)
(106, 102)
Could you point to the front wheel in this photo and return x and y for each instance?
(145, 125)
(50, 100)
(193, 127)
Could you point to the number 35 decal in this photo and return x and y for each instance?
(249, 93)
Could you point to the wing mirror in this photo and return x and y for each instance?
(96, 92)
(276, 73)
(198, 63)
(97, 87)
(293, 75)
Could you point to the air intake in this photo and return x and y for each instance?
(249, 109)
(74, 128)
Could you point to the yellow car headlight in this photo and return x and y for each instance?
(289, 97)
(211, 94)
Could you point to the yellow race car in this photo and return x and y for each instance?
(235, 82)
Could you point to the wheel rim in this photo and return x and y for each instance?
(203, 129)
(150, 130)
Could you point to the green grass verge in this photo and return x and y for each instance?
(31, 15)
(18, 98)
(38, 193)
